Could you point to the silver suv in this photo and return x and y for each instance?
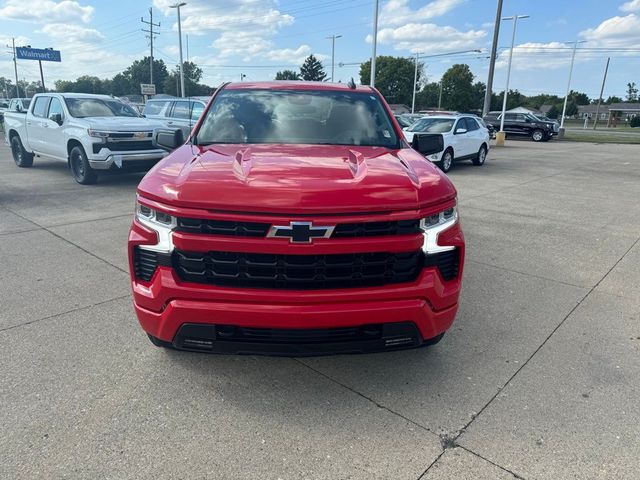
(180, 113)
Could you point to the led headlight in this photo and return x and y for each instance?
(432, 226)
(98, 134)
(160, 222)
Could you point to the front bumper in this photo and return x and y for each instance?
(166, 306)
(106, 159)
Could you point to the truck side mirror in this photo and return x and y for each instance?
(428, 143)
(167, 138)
(56, 117)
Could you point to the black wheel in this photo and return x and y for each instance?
(447, 160)
(22, 158)
(481, 157)
(433, 341)
(159, 343)
(80, 168)
(537, 135)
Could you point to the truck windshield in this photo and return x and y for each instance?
(97, 107)
(321, 117)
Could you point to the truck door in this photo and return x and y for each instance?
(52, 137)
(35, 123)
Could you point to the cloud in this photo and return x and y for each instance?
(38, 11)
(398, 12)
(72, 34)
(533, 56)
(614, 32)
(631, 6)
(429, 38)
(290, 55)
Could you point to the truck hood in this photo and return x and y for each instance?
(123, 124)
(296, 179)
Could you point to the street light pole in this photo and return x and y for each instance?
(415, 83)
(566, 97)
(177, 7)
(501, 134)
(372, 80)
(333, 53)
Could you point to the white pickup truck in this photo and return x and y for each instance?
(90, 132)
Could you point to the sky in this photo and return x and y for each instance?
(256, 38)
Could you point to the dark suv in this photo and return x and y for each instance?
(522, 124)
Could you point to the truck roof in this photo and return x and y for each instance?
(296, 85)
(77, 95)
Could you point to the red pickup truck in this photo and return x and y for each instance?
(295, 220)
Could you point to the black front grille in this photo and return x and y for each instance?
(223, 227)
(259, 270)
(298, 336)
(375, 229)
(145, 262)
(255, 229)
(448, 263)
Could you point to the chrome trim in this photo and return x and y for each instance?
(274, 229)
(430, 244)
(121, 158)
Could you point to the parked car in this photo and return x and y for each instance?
(180, 113)
(4, 105)
(91, 132)
(403, 121)
(306, 225)
(522, 124)
(465, 138)
(18, 105)
(556, 124)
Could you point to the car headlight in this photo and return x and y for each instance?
(431, 227)
(160, 222)
(98, 134)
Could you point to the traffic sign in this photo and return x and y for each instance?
(148, 89)
(44, 54)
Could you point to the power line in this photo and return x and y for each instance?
(151, 36)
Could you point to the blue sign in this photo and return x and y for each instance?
(46, 54)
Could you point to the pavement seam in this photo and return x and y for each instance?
(69, 242)
(21, 231)
(527, 274)
(432, 464)
(49, 317)
(130, 215)
(515, 475)
(379, 405)
(460, 432)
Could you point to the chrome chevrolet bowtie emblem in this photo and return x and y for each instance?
(301, 232)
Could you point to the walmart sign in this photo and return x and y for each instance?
(46, 54)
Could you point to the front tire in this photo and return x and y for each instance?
(446, 161)
(537, 135)
(21, 157)
(481, 157)
(80, 168)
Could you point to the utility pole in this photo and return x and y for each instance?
(440, 96)
(604, 79)
(333, 53)
(372, 80)
(566, 97)
(15, 64)
(415, 82)
(177, 7)
(242, 77)
(41, 76)
(492, 62)
(150, 36)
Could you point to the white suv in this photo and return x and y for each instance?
(465, 138)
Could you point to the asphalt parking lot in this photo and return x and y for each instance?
(539, 377)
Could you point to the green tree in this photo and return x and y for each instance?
(537, 101)
(192, 75)
(427, 98)
(394, 77)
(457, 89)
(312, 70)
(579, 98)
(139, 72)
(611, 99)
(514, 99)
(553, 112)
(632, 92)
(287, 75)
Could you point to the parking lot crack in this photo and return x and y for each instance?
(535, 352)
(69, 242)
(377, 404)
(515, 475)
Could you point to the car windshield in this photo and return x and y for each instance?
(320, 117)
(97, 107)
(433, 125)
(404, 122)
